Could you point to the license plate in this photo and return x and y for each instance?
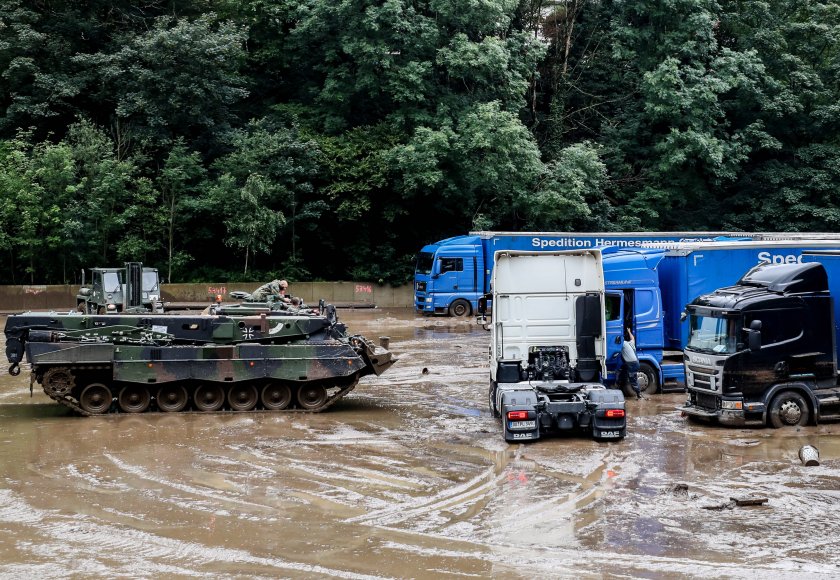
(522, 425)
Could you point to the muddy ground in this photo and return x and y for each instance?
(406, 477)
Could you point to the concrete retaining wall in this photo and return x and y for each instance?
(17, 298)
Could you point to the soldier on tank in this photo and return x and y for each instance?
(267, 291)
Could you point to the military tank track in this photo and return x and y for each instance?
(98, 398)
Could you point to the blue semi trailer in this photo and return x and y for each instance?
(648, 290)
(764, 351)
(452, 274)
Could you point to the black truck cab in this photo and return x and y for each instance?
(764, 350)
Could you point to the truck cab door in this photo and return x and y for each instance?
(649, 326)
(614, 314)
(450, 273)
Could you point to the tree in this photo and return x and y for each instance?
(179, 181)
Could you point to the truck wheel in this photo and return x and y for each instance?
(789, 409)
(492, 400)
(648, 379)
(459, 308)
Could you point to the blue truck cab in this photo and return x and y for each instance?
(449, 276)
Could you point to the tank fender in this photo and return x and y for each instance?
(801, 387)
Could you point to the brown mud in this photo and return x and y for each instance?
(406, 477)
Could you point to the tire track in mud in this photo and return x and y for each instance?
(133, 552)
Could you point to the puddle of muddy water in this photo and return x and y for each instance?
(406, 477)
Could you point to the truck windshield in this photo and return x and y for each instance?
(425, 261)
(712, 334)
(150, 281)
(111, 282)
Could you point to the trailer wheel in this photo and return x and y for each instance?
(459, 308)
(788, 409)
(492, 400)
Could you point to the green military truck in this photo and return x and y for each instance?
(129, 289)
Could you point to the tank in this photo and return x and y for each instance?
(134, 363)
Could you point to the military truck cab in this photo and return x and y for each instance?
(764, 351)
(548, 347)
(110, 290)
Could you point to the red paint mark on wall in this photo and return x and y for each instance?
(215, 290)
(364, 289)
(34, 289)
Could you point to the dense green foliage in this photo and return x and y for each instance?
(332, 139)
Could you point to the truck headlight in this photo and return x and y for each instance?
(732, 405)
(429, 299)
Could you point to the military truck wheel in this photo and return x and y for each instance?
(312, 396)
(208, 398)
(459, 308)
(276, 397)
(788, 409)
(243, 397)
(134, 399)
(96, 399)
(492, 400)
(172, 398)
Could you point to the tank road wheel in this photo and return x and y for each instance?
(209, 398)
(172, 398)
(134, 399)
(459, 308)
(59, 381)
(96, 399)
(648, 379)
(243, 397)
(789, 409)
(312, 396)
(276, 397)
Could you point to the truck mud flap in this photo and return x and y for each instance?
(520, 422)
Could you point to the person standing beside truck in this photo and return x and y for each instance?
(630, 368)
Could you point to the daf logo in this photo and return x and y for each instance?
(703, 360)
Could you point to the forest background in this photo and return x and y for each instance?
(330, 139)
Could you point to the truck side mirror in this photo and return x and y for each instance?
(482, 305)
(754, 335)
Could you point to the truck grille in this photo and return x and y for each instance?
(706, 401)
